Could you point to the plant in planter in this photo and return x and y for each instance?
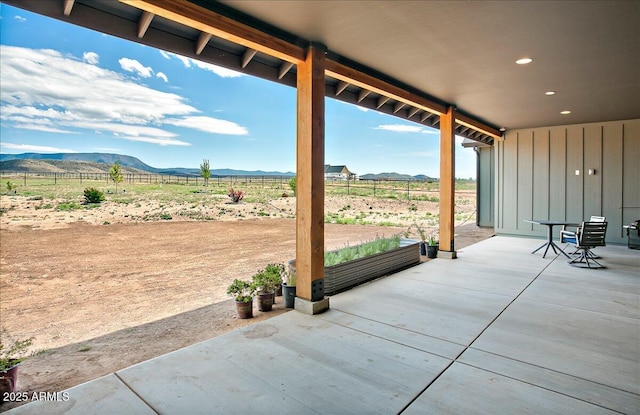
(235, 195)
(423, 237)
(12, 352)
(276, 271)
(432, 247)
(265, 283)
(243, 293)
(289, 287)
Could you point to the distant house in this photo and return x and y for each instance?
(338, 172)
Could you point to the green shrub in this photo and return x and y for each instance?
(293, 184)
(93, 195)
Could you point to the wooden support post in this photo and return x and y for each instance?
(310, 183)
(447, 183)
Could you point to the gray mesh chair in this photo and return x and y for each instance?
(589, 235)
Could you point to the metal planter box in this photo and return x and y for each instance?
(343, 276)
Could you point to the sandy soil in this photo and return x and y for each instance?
(102, 289)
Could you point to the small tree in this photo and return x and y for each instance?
(205, 171)
(115, 173)
(292, 184)
(11, 187)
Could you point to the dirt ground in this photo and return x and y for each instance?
(98, 298)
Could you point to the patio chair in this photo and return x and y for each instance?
(590, 235)
(571, 237)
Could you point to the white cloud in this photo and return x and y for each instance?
(91, 57)
(188, 63)
(37, 149)
(20, 19)
(132, 65)
(158, 141)
(47, 91)
(430, 131)
(165, 54)
(400, 128)
(209, 125)
(162, 76)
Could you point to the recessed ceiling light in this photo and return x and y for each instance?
(503, 129)
(565, 112)
(524, 61)
(550, 93)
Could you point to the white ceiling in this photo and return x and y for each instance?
(464, 52)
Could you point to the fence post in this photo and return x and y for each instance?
(55, 178)
(25, 178)
(374, 188)
(348, 190)
(408, 184)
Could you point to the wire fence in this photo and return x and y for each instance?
(413, 189)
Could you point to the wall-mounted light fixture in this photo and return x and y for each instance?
(577, 172)
(592, 172)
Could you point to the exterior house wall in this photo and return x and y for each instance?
(485, 181)
(536, 178)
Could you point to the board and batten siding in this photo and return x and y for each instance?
(543, 173)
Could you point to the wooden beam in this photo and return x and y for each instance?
(382, 101)
(144, 23)
(425, 116)
(354, 77)
(413, 112)
(363, 94)
(398, 106)
(203, 39)
(247, 56)
(205, 20)
(447, 180)
(477, 125)
(341, 87)
(286, 67)
(68, 5)
(310, 176)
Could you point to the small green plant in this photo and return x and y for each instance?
(166, 216)
(432, 241)
(84, 348)
(11, 188)
(205, 171)
(421, 231)
(290, 278)
(115, 173)
(293, 184)
(93, 195)
(12, 352)
(242, 291)
(67, 206)
(266, 280)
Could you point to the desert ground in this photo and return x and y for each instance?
(103, 288)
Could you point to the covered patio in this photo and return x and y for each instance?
(497, 331)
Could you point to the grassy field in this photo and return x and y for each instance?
(255, 189)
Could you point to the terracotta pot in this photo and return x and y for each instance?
(245, 310)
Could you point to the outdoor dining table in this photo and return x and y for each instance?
(549, 243)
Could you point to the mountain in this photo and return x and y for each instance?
(394, 176)
(60, 166)
(101, 162)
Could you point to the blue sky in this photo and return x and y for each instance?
(64, 88)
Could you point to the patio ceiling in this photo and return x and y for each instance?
(417, 57)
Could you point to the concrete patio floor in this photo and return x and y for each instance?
(496, 331)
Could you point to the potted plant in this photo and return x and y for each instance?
(432, 247)
(289, 287)
(275, 272)
(243, 293)
(265, 283)
(423, 238)
(12, 352)
(235, 195)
